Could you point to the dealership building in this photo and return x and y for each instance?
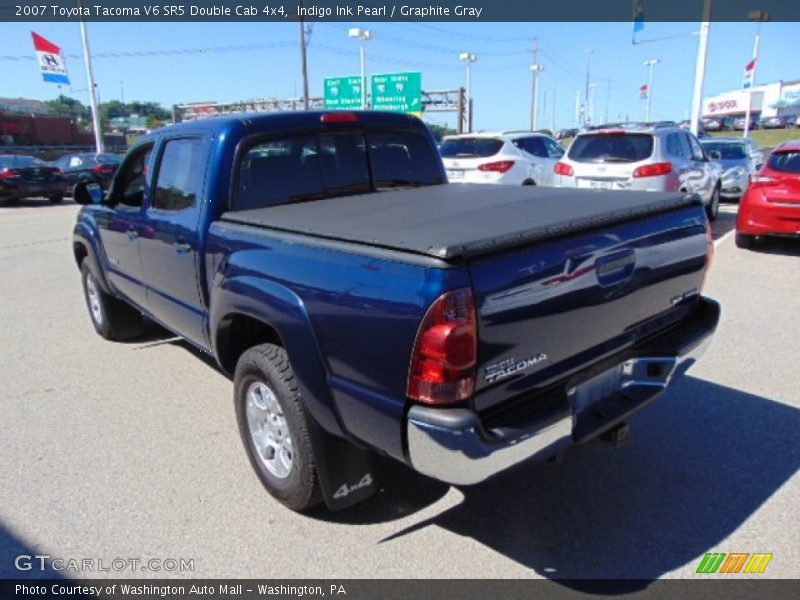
(768, 100)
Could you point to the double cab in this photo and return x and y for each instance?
(363, 306)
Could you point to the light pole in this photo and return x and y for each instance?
(535, 69)
(650, 63)
(589, 53)
(700, 67)
(592, 87)
(468, 58)
(759, 16)
(93, 99)
(364, 35)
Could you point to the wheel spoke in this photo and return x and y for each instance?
(269, 431)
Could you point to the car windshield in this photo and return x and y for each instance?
(611, 147)
(726, 151)
(786, 162)
(8, 161)
(470, 147)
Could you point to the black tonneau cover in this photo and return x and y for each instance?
(457, 220)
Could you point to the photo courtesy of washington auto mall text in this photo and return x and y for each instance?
(416, 299)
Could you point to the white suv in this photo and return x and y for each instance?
(661, 159)
(509, 158)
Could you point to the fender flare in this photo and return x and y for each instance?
(87, 238)
(282, 310)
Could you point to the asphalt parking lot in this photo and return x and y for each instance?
(131, 450)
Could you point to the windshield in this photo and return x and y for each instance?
(611, 147)
(470, 147)
(726, 151)
(786, 162)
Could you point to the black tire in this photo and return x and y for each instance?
(712, 210)
(744, 241)
(269, 365)
(529, 182)
(112, 318)
(56, 199)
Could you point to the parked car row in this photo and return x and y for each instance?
(646, 158)
(29, 177)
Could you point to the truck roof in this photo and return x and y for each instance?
(257, 122)
(459, 220)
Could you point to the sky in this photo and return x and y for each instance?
(230, 68)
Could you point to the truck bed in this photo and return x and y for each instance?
(460, 221)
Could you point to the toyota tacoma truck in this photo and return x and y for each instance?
(363, 306)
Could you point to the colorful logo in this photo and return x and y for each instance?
(735, 562)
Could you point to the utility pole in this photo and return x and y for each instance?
(700, 67)
(592, 87)
(577, 109)
(536, 68)
(650, 63)
(608, 99)
(303, 57)
(759, 16)
(87, 59)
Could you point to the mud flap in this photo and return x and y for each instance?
(346, 473)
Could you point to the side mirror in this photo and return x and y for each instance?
(759, 166)
(88, 192)
(714, 155)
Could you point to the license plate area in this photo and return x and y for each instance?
(597, 388)
(454, 174)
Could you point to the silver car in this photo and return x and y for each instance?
(664, 159)
(740, 159)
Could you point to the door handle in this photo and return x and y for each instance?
(132, 234)
(182, 248)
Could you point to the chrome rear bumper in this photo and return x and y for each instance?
(452, 445)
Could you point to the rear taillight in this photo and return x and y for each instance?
(8, 174)
(654, 170)
(762, 180)
(104, 169)
(445, 352)
(564, 169)
(500, 166)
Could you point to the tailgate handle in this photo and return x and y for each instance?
(615, 268)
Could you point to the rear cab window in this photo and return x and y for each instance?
(611, 147)
(312, 166)
(785, 162)
(470, 147)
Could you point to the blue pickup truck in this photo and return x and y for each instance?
(363, 306)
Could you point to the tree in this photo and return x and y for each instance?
(439, 131)
(64, 106)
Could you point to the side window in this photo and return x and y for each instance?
(532, 145)
(134, 178)
(697, 151)
(683, 146)
(674, 145)
(180, 175)
(554, 150)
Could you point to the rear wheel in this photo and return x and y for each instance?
(274, 426)
(744, 241)
(712, 210)
(112, 318)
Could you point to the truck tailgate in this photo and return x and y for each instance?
(552, 307)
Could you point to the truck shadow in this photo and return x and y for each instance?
(12, 548)
(699, 464)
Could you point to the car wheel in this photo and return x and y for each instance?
(274, 426)
(744, 241)
(112, 318)
(56, 199)
(529, 182)
(712, 210)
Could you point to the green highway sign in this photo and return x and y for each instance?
(343, 93)
(398, 92)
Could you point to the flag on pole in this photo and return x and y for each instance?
(643, 91)
(638, 16)
(51, 61)
(749, 70)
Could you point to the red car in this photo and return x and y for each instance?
(771, 204)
